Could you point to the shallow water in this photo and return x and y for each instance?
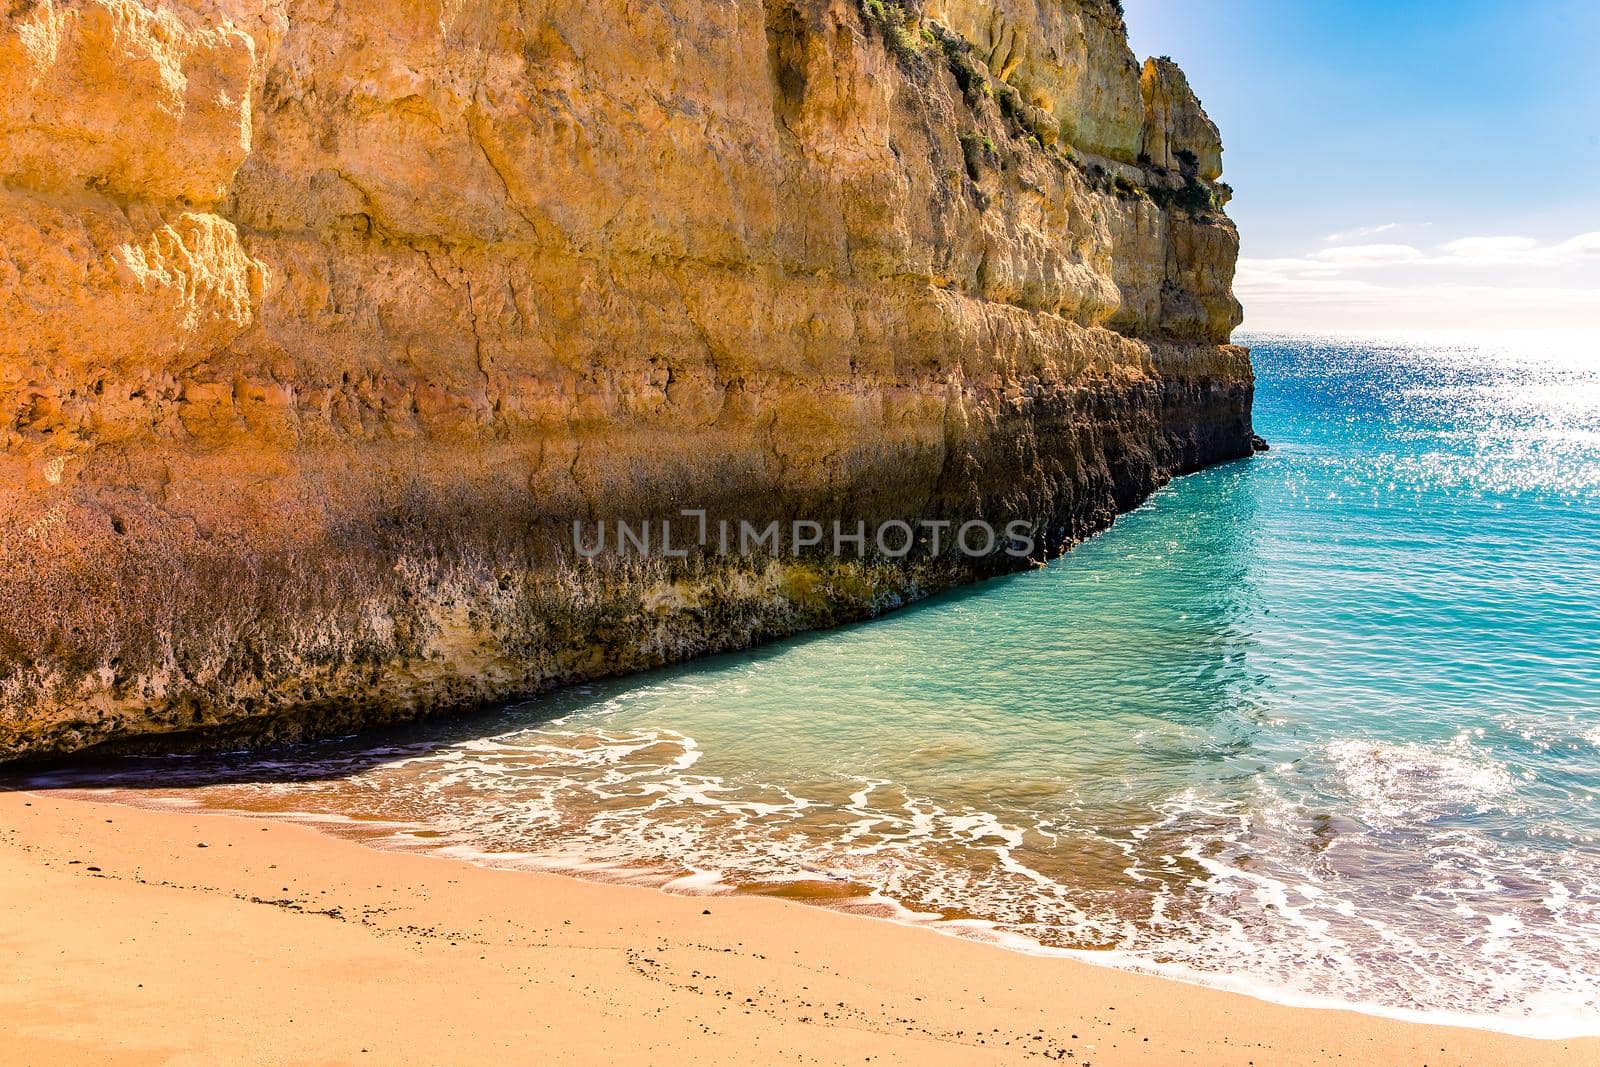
(1324, 725)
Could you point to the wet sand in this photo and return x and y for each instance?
(126, 941)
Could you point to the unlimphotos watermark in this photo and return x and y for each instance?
(893, 539)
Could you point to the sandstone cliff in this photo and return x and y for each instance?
(321, 322)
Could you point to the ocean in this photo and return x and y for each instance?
(1322, 725)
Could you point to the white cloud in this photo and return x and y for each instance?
(1360, 232)
(1462, 252)
(1495, 251)
(1301, 267)
(1489, 249)
(1369, 255)
(1338, 304)
(1503, 282)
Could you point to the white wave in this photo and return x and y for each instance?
(1413, 781)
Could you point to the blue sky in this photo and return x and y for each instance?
(1402, 165)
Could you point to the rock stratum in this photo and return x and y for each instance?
(323, 322)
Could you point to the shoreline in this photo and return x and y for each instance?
(417, 838)
(873, 907)
(279, 942)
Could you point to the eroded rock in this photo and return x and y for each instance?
(321, 326)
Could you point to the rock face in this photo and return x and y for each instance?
(321, 323)
(1175, 125)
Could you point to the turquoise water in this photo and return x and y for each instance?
(1324, 724)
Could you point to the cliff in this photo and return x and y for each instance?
(320, 324)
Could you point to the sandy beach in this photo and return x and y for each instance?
(150, 937)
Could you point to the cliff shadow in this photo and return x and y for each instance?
(352, 754)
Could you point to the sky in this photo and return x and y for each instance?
(1410, 165)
